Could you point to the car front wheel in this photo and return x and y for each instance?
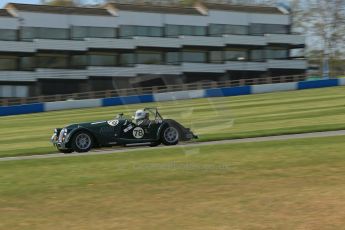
(170, 136)
(82, 142)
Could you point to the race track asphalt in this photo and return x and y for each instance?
(191, 144)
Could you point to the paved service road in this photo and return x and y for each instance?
(131, 149)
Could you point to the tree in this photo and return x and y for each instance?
(324, 24)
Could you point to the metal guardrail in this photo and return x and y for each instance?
(150, 90)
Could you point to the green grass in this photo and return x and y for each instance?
(211, 119)
(293, 184)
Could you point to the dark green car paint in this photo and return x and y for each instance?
(120, 131)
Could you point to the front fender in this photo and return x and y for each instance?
(74, 131)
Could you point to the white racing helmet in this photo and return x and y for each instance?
(140, 115)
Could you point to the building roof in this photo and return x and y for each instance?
(58, 9)
(155, 8)
(139, 8)
(4, 13)
(243, 8)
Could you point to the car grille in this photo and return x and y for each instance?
(61, 135)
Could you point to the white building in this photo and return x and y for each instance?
(55, 50)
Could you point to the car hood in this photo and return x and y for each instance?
(96, 124)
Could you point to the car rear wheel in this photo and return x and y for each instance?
(82, 142)
(170, 135)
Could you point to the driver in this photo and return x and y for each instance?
(141, 117)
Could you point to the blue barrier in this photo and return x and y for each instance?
(213, 93)
(21, 109)
(317, 84)
(146, 98)
(127, 100)
(224, 92)
(217, 92)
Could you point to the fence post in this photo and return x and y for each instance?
(199, 85)
(269, 80)
(139, 90)
(154, 89)
(295, 78)
(4, 102)
(242, 82)
(228, 83)
(184, 87)
(22, 100)
(107, 93)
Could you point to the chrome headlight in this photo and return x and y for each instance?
(62, 135)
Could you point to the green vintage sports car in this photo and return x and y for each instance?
(141, 130)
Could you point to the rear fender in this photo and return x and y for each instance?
(160, 129)
(185, 133)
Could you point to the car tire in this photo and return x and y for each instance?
(170, 135)
(65, 151)
(82, 142)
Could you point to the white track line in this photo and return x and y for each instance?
(234, 141)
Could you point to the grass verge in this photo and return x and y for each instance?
(210, 118)
(292, 184)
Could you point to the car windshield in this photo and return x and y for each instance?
(153, 115)
(124, 116)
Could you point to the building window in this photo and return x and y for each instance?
(29, 33)
(141, 31)
(8, 63)
(127, 59)
(200, 31)
(59, 61)
(27, 63)
(156, 32)
(186, 30)
(236, 55)
(144, 31)
(177, 30)
(257, 29)
(276, 53)
(221, 29)
(194, 56)
(79, 61)
(102, 59)
(277, 29)
(261, 29)
(216, 56)
(216, 29)
(126, 31)
(8, 35)
(236, 29)
(14, 91)
(81, 32)
(172, 58)
(172, 31)
(146, 57)
(257, 55)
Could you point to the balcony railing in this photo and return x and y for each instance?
(151, 90)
